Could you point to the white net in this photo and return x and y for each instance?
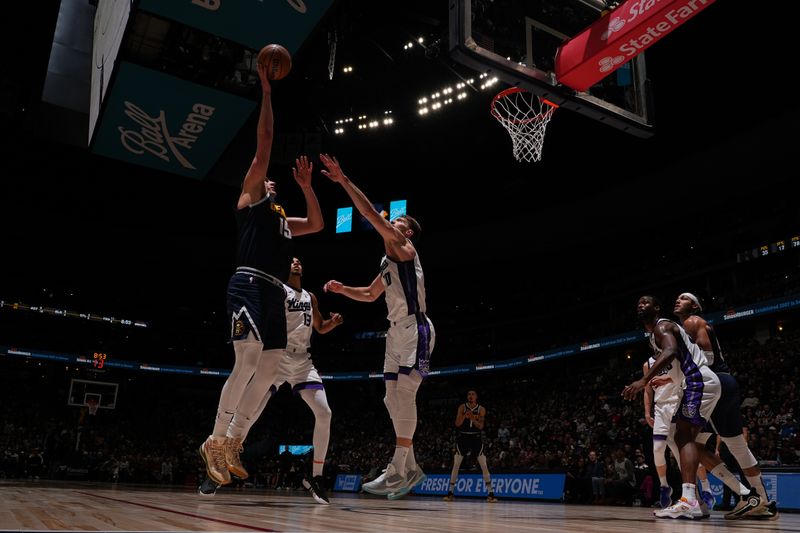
(93, 406)
(525, 116)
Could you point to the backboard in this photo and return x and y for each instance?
(81, 390)
(517, 41)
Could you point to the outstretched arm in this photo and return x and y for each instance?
(253, 188)
(362, 203)
(361, 294)
(312, 222)
(323, 325)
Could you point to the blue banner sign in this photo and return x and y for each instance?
(253, 23)
(625, 338)
(344, 220)
(397, 208)
(783, 487)
(761, 308)
(347, 483)
(527, 486)
(162, 122)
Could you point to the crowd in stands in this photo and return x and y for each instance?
(469, 329)
(564, 415)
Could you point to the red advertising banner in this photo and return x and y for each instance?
(620, 36)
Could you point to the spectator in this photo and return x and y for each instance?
(595, 469)
(623, 480)
(751, 400)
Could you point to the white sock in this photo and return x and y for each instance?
(705, 485)
(399, 459)
(758, 484)
(689, 492)
(411, 461)
(663, 481)
(724, 475)
(316, 469)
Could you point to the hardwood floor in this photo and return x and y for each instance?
(49, 506)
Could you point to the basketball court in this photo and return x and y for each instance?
(48, 506)
(549, 58)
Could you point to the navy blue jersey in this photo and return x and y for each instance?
(264, 238)
(468, 427)
(716, 360)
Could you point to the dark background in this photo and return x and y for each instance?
(602, 218)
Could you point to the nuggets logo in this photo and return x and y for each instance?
(238, 328)
(278, 209)
(689, 410)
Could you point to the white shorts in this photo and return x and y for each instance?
(409, 343)
(297, 369)
(662, 417)
(700, 397)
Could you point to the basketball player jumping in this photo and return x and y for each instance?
(470, 418)
(726, 419)
(410, 339)
(255, 290)
(700, 394)
(296, 368)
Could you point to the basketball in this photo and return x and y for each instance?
(277, 60)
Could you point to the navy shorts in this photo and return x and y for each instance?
(469, 445)
(727, 415)
(256, 304)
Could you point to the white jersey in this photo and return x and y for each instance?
(690, 357)
(669, 392)
(701, 389)
(404, 285)
(299, 319)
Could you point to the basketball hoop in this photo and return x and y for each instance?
(93, 405)
(525, 116)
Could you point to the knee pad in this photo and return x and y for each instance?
(390, 399)
(244, 368)
(659, 451)
(405, 407)
(740, 451)
(317, 401)
(389, 403)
